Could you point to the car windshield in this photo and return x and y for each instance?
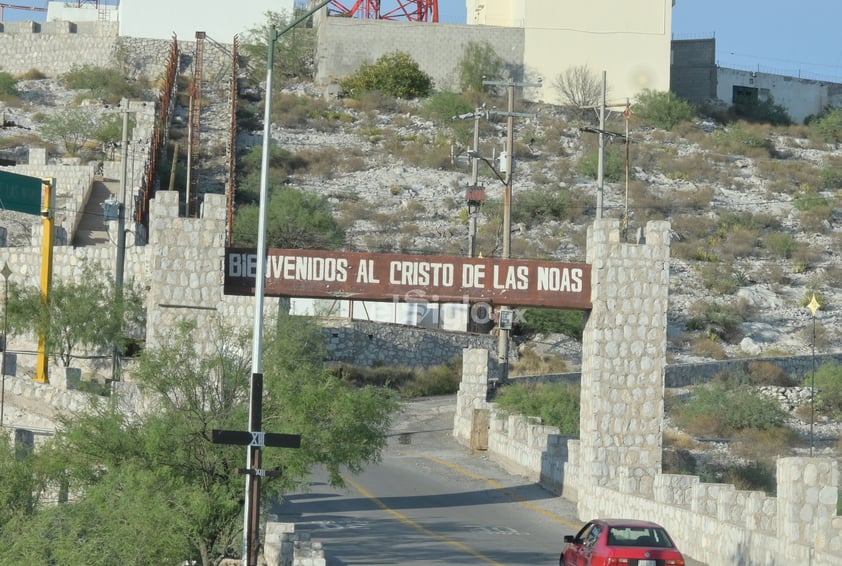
(639, 536)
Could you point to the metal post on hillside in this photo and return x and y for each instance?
(506, 161)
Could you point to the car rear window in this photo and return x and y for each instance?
(638, 536)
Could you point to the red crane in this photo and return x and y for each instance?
(409, 10)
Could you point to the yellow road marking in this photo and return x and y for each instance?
(409, 522)
(496, 485)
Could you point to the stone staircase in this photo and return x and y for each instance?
(92, 230)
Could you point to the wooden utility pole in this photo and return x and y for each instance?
(505, 315)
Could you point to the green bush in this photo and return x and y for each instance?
(551, 321)
(720, 410)
(829, 126)
(556, 404)
(663, 109)
(441, 107)
(437, 380)
(544, 204)
(781, 244)
(766, 111)
(395, 74)
(831, 177)
(828, 380)
(613, 164)
(109, 85)
(717, 320)
(742, 138)
(8, 86)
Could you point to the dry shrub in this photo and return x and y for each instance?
(766, 373)
(765, 445)
(818, 336)
(774, 274)
(708, 348)
(787, 176)
(694, 227)
(718, 278)
(678, 440)
(697, 167)
(817, 219)
(531, 362)
(32, 75)
(696, 200)
(678, 461)
(805, 256)
(703, 425)
(647, 205)
(742, 242)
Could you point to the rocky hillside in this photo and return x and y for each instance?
(754, 209)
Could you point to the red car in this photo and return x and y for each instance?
(620, 542)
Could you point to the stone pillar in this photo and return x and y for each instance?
(186, 266)
(472, 394)
(807, 494)
(623, 358)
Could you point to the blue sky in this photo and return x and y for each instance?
(780, 36)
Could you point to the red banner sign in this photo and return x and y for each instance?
(411, 278)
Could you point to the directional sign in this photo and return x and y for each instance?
(20, 193)
(260, 472)
(259, 439)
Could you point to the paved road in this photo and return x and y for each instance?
(430, 502)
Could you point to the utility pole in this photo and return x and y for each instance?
(504, 325)
(627, 114)
(600, 182)
(474, 200)
(600, 174)
(475, 194)
(251, 513)
(120, 263)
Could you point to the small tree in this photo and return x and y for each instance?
(295, 219)
(294, 51)
(578, 87)
(478, 61)
(663, 109)
(72, 127)
(87, 313)
(180, 497)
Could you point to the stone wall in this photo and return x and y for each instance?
(693, 69)
(372, 344)
(344, 44)
(55, 47)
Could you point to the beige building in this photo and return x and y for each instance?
(628, 39)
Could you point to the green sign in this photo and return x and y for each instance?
(20, 193)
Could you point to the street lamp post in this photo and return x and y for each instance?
(813, 306)
(5, 272)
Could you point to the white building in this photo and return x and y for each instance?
(800, 97)
(628, 39)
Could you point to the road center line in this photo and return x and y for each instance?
(409, 522)
(498, 486)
